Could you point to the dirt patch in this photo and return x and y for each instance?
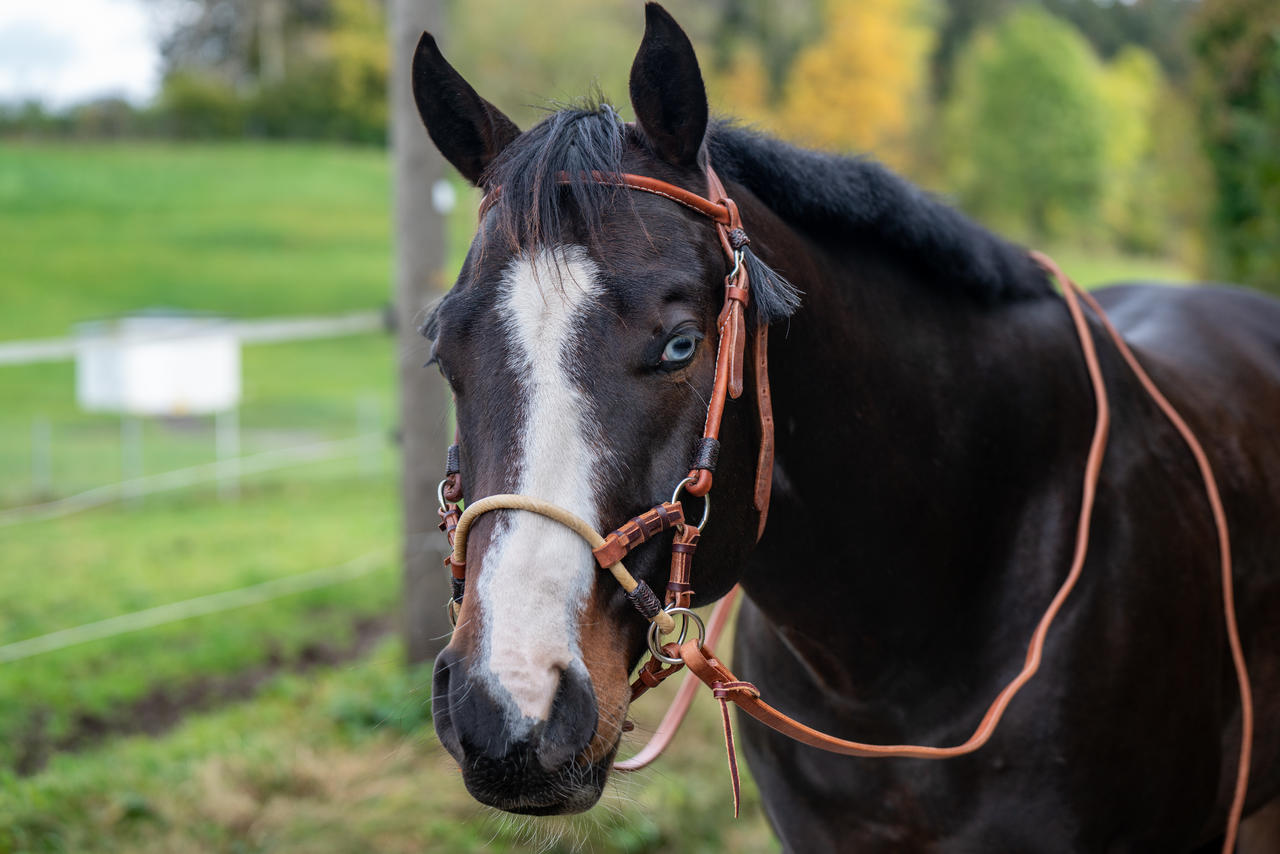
(165, 706)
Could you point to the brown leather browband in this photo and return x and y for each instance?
(697, 654)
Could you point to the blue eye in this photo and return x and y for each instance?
(679, 349)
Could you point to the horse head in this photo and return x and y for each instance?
(580, 344)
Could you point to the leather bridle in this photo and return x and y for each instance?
(731, 349)
(666, 659)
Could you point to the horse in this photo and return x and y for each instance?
(932, 416)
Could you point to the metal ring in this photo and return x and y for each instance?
(655, 647)
(706, 501)
(440, 494)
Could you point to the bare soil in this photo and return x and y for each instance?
(165, 706)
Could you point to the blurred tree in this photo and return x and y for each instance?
(1133, 207)
(518, 55)
(860, 86)
(242, 41)
(962, 19)
(763, 35)
(741, 88)
(108, 118)
(298, 68)
(197, 104)
(357, 51)
(1160, 26)
(1237, 45)
(1183, 176)
(1024, 127)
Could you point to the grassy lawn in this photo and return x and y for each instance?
(250, 229)
(238, 229)
(260, 229)
(97, 565)
(168, 547)
(345, 762)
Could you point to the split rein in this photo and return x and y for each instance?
(696, 653)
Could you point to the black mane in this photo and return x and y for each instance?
(828, 196)
(833, 197)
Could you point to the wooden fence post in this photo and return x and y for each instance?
(419, 263)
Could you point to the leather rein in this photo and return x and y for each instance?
(668, 658)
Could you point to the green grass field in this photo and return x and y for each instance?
(243, 230)
(338, 759)
(247, 229)
(252, 229)
(344, 761)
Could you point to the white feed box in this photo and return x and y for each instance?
(158, 364)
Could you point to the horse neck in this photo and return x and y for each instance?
(924, 441)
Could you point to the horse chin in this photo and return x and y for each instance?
(573, 789)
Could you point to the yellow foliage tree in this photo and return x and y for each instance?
(862, 85)
(357, 47)
(742, 88)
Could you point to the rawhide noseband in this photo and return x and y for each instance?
(667, 659)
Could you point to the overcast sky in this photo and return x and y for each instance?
(64, 51)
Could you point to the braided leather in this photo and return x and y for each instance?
(637, 530)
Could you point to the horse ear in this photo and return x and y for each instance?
(667, 93)
(468, 130)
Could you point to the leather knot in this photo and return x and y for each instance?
(738, 238)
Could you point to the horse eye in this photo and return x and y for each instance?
(678, 350)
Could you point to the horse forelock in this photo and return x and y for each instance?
(546, 191)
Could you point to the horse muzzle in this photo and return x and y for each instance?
(516, 763)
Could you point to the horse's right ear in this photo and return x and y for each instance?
(667, 93)
(468, 130)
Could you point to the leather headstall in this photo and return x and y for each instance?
(731, 354)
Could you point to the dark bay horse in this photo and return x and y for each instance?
(933, 413)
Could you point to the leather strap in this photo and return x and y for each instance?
(1224, 543)
(679, 584)
(714, 210)
(639, 529)
(764, 407)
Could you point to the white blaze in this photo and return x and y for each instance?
(536, 573)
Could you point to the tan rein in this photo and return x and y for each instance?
(726, 687)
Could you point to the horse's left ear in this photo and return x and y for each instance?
(667, 93)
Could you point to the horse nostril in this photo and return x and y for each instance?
(440, 712)
(571, 724)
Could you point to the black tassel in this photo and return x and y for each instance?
(773, 296)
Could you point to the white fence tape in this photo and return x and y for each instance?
(197, 607)
(190, 476)
(260, 331)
